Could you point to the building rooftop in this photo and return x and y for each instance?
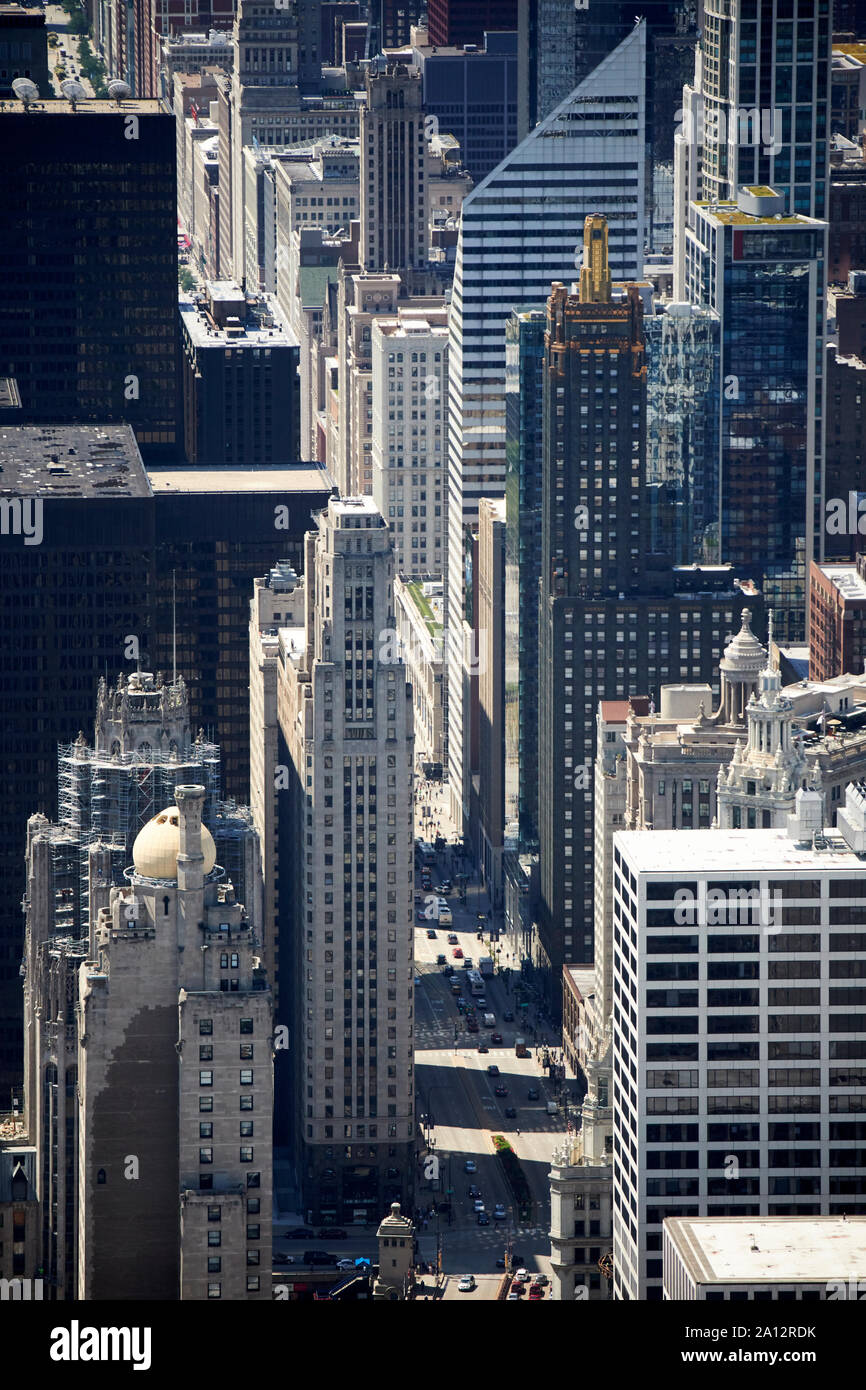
(90, 106)
(257, 325)
(730, 214)
(291, 477)
(71, 461)
(770, 1249)
(846, 579)
(735, 852)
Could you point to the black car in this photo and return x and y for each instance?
(332, 1233)
(483, 1219)
(508, 1016)
(440, 960)
(510, 1112)
(474, 1192)
(319, 1257)
(532, 1094)
(299, 1233)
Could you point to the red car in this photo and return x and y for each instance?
(516, 1286)
(457, 953)
(496, 1037)
(536, 1294)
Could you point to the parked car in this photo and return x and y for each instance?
(467, 962)
(467, 1284)
(431, 935)
(521, 1276)
(457, 953)
(493, 1070)
(421, 915)
(453, 938)
(516, 1288)
(281, 1258)
(542, 1279)
(482, 1047)
(535, 1294)
(509, 1297)
(441, 960)
(299, 1233)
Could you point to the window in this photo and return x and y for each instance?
(205, 1155)
(246, 1025)
(214, 1238)
(205, 1078)
(246, 1076)
(205, 1131)
(205, 1027)
(246, 1154)
(214, 1213)
(205, 1104)
(214, 1290)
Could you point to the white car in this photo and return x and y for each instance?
(470, 1166)
(467, 1284)
(345, 1264)
(521, 1276)
(478, 1206)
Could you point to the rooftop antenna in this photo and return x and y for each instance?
(25, 90)
(173, 629)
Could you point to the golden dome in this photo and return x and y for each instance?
(156, 847)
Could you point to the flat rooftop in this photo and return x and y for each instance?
(770, 1249)
(683, 853)
(205, 333)
(71, 461)
(90, 106)
(846, 580)
(292, 477)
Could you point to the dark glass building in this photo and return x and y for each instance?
(459, 22)
(88, 245)
(474, 98)
(763, 274)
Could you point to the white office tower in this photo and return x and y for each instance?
(521, 229)
(739, 1027)
(346, 836)
(410, 403)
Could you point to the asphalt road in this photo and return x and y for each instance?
(454, 1090)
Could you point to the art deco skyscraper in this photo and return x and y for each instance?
(393, 171)
(345, 827)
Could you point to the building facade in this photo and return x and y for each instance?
(739, 960)
(345, 827)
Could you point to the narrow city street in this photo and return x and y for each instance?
(458, 1106)
(65, 54)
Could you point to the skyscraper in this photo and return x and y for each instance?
(175, 1079)
(142, 751)
(88, 238)
(614, 618)
(737, 1093)
(519, 231)
(460, 22)
(393, 171)
(344, 824)
(762, 272)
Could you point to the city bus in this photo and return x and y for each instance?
(476, 984)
